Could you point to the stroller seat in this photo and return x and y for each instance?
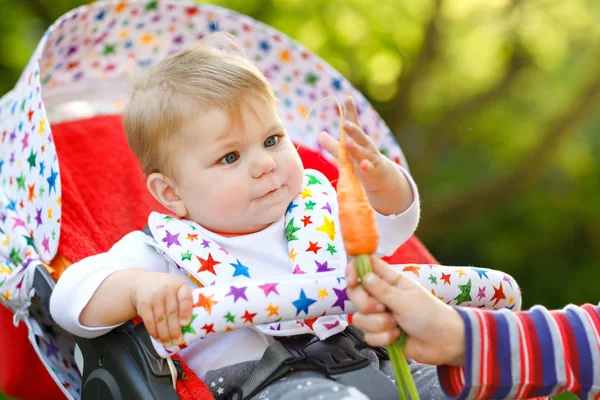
(88, 189)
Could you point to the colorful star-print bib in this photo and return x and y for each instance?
(314, 247)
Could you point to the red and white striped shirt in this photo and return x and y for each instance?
(527, 354)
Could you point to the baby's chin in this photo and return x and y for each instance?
(251, 225)
(259, 216)
(272, 214)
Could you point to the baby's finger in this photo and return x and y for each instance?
(172, 311)
(329, 144)
(382, 338)
(186, 304)
(351, 113)
(356, 151)
(377, 322)
(160, 317)
(363, 302)
(367, 170)
(360, 137)
(145, 313)
(371, 176)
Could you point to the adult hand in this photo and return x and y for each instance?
(389, 301)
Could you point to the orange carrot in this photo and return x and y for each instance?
(357, 217)
(361, 238)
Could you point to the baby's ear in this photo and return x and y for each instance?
(163, 189)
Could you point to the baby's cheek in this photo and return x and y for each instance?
(298, 177)
(228, 200)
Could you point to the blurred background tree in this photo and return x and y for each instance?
(495, 104)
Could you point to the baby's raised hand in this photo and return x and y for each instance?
(164, 302)
(388, 189)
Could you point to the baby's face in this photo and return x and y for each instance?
(239, 178)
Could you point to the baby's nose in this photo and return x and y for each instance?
(263, 165)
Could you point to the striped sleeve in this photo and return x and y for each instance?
(528, 354)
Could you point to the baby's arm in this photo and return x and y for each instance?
(396, 229)
(111, 304)
(99, 293)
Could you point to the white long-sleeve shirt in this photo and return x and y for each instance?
(267, 251)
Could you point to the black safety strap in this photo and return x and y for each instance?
(337, 358)
(359, 340)
(274, 364)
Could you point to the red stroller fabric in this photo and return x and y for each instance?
(104, 197)
(22, 374)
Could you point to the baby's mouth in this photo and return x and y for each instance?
(270, 192)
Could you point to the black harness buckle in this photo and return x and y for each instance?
(332, 356)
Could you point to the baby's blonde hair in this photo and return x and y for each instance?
(177, 90)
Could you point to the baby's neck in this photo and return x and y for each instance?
(235, 234)
(228, 235)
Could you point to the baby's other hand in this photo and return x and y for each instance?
(387, 188)
(164, 302)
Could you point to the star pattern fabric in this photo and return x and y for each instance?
(317, 297)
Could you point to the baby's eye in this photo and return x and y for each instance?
(272, 140)
(230, 158)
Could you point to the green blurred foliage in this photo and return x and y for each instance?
(495, 104)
